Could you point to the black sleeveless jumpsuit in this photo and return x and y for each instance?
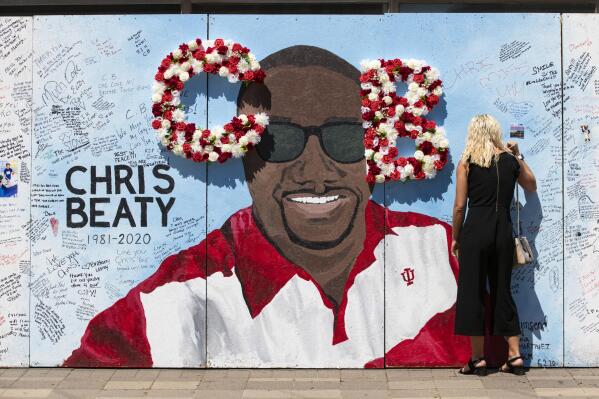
(486, 250)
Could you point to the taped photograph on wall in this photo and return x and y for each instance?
(9, 179)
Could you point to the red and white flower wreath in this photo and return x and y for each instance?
(225, 58)
(388, 116)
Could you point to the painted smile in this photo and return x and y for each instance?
(314, 200)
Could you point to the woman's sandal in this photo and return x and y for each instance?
(517, 370)
(473, 369)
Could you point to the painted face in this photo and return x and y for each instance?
(307, 176)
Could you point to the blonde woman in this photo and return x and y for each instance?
(486, 177)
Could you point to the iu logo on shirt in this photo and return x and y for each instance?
(408, 275)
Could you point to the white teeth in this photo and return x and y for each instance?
(315, 200)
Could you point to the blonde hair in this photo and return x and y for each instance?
(484, 136)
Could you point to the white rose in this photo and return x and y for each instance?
(261, 119)
(197, 135)
(178, 115)
(243, 117)
(232, 78)
(209, 148)
(387, 169)
(388, 87)
(166, 123)
(253, 137)
(413, 87)
(184, 76)
(243, 140)
(218, 131)
(443, 143)
(438, 91)
(164, 141)
(378, 114)
(399, 109)
(213, 157)
(368, 153)
(156, 98)
(254, 65)
(380, 178)
(373, 97)
(417, 111)
(168, 73)
(185, 66)
(378, 156)
(177, 149)
(158, 87)
(419, 155)
(192, 44)
(196, 147)
(177, 53)
(408, 170)
(226, 147)
(223, 71)
(243, 66)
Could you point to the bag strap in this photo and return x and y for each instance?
(519, 232)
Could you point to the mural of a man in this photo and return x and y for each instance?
(313, 273)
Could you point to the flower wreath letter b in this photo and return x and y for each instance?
(388, 116)
(225, 58)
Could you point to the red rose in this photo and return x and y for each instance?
(156, 109)
(439, 165)
(370, 178)
(156, 124)
(205, 133)
(375, 105)
(228, 127)
(237, 47)
(168, 115)
(419, 78)
(188, 135)
(391, 112)
(426, 147)
(419, 175)
(365, 102)
(429, 125)
(219, 42)
(184, 47)
(416, 120)
(368, 115)
(414, 134)
(393, 152)
(251, 119)
(364, 77)
(159, 77)
(432, 100)
(384, 142)
(395, 175)
(165, 63)
(259, 76)
(179, 85)
(222, 49)
(401, 161)
(387, 159)
(167, 97)
(190, 128)
(259, 129)
(197, 157)
(368, 143)
(224, 139)
(404, 101)
(180, 126)
(418, 104)
(186, 148)
(199, 54)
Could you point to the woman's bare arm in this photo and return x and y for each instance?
(526, 179)
(459, 204)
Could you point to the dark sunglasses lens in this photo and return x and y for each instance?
(281, 143)
(344, 143)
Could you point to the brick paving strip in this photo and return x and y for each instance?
(301, 383)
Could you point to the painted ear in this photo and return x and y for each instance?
(219, 57)
(387, 116)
